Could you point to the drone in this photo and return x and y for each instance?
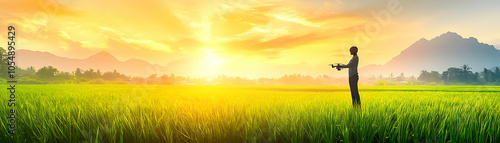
(337, 66)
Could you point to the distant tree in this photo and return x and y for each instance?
(488, 75)
(114, 76)
(401, 77)
(432, 76)
(98, 74)
(165, 79)
(30, 71)
(496, 76)
(138, 80)
(424, 76)
(152, 79)
(47, 72)
(474, 78)
(152, 76)
(64, 76)
(435, 76)
(78, 72)
(445, 78)
(466, 74)
(466, 68)
(3, 63)
(88, 74)
(454, 74)
(91, 74)
(413, 77)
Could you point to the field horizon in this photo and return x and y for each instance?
(216, 113)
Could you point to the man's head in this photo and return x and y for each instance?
(354, 50)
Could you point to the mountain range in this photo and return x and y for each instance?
(437, 54)
(102, 61)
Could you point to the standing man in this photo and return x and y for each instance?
(353, 76)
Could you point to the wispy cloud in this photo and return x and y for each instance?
(254, 32)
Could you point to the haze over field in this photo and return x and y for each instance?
(255, 38)
(442, 52)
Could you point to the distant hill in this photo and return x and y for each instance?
(438, 54)
(102, 60)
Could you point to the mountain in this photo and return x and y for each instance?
(102, 61)
(438, 54)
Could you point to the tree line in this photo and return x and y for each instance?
(51, 75)
(462, 75)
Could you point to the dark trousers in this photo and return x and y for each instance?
(353, 84)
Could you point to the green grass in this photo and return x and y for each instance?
(136, 113)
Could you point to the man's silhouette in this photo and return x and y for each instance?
(353, 76)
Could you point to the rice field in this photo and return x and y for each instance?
(158, 113)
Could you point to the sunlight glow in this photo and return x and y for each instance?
(213, 59)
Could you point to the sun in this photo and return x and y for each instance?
(213, 59)
(213, 62)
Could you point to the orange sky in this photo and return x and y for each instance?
(251, 38)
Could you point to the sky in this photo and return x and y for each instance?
(249, 38)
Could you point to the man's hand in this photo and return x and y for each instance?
(338, 66)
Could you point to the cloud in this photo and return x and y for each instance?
(256, 28)
(261, 33)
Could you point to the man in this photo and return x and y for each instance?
(353, 76)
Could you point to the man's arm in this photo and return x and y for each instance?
(350, 64)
